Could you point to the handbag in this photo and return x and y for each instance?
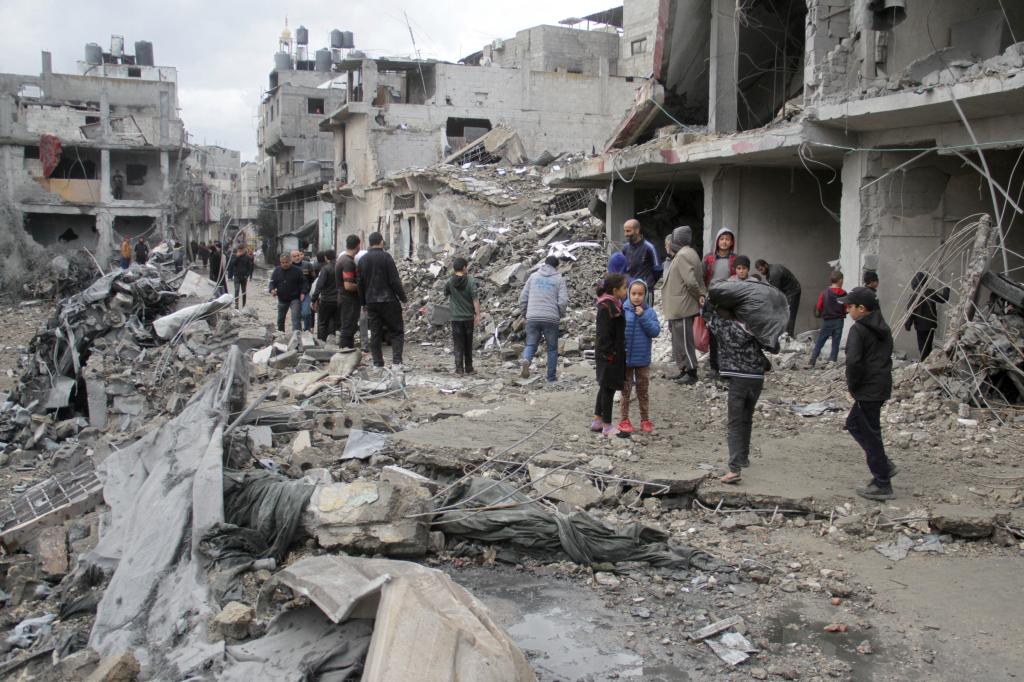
(701, 335)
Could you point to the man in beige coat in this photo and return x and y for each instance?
(682, 295)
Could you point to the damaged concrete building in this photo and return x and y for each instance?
(215, 184)
(295, 156)
(861, 131)
(549, 90)
(89, 157)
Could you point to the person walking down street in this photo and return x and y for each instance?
(780, 277)
(543, 300)
(289, 285)
(126, 253)
(179, 256)
(382, 294)
(347, 277)
(460, 289)
(869, 380)
(719, 265)
(742, 364)
(217, 273)
(141, 251)
(681, 297)
(204, 254)
(833, 315)
(325, 297)
(642, 260)
(609, 352)
(240, 269)
(642, 325)
(924, 315)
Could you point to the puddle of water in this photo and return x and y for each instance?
(565, 629)
(790, 627)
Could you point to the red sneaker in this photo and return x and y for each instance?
(626, 426)
(646, 426)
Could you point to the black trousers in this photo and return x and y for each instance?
(327, 318)
(240, 287)
(605, 403)
(925, 339)
(348, 321)
(388, 316)
(713, 348)
(462, 341)
(865, 425)
(794, 308)
(743, 396)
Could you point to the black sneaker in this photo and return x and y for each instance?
(874, 492)
(893, 469)
(687, 379)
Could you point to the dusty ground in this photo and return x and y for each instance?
(947, 616)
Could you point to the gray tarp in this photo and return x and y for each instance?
(759, 305)
(533, 529)
(164, 491)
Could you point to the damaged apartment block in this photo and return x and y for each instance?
(853, 131)
(90, 157)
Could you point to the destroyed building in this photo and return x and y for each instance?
(549, 90)
(86, 158)
(295, 156)
(858, 131)
(215, 186)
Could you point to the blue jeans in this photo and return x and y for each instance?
(534, 329)
(830, 329)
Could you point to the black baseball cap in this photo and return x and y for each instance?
(860, 296)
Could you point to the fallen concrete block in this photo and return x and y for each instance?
(965, 521)
(50, 549)
(120, 668)
(232, 622)
(263, 355)
(370, 517)
(301, 442)
(400, 476)
(167, 326)
(252, 338)
(295, 385)
(515, 272)
(196, 285)
(565, 486)
(344, 363)
(307, 340)
(258, 437)
(97, 400)
(287, 359)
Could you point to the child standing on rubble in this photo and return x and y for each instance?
(460, 289)
(833, 315)
(642, 325)
(609, 351)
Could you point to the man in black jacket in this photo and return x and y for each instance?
(382, 294)
(325, 297)
(240, 269)
(924, 316)
(347, 278)
(780, 277)
(869, 379)
(289, 285)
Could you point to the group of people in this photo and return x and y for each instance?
(626, 325)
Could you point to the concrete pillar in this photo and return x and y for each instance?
(105, 194)
(722, 195)
(165, 117)
(852, 249)
(165, 176)
(105, 114)
(47, 64)
(105, 236)
(620, 209)
(722, 90)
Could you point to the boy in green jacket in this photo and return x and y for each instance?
(460, 289)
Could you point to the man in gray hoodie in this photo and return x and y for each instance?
(544, 300)
(681, 297)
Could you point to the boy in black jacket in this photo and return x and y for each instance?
(742, 363)
(869, 378)
(924, 316)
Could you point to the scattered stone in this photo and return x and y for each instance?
(233, 622)
(965, 521)
(607, 579)
(864, 648)
(565, 486)
(287, 359)
(120, 668)
(50, 548)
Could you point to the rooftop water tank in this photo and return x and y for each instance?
(347, 40)
(93, 53)
(282, 61)
(337, 38)
(144, 53)
(302, 36)
(323, 59)
(116, 46)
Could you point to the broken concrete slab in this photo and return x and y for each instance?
(287, 359)
(400, 476)
(370, 516)
(678, 478)
(295, 385)
(515, 272)
(363, 444)
(120, 668)
(252, 338)
(565, 486)
(345, 362)
(258, 437)
(965, 521)
(50, 549)
(302, 441)
(196, 285)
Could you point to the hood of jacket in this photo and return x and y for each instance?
(724, 230)
(460, 281)
(618, 263)
(547, 271)
(682, 236)
(875, 323)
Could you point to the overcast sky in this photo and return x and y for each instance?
(224, 50)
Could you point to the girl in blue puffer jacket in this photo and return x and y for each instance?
(642, 325)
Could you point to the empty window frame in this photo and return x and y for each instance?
(315, 105)
(135, 174)
(638, 46)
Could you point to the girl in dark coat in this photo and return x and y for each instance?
(610, 351)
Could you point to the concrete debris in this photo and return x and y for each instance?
(565, 486)
(965, 521)
(233, 622)
(120, 668)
